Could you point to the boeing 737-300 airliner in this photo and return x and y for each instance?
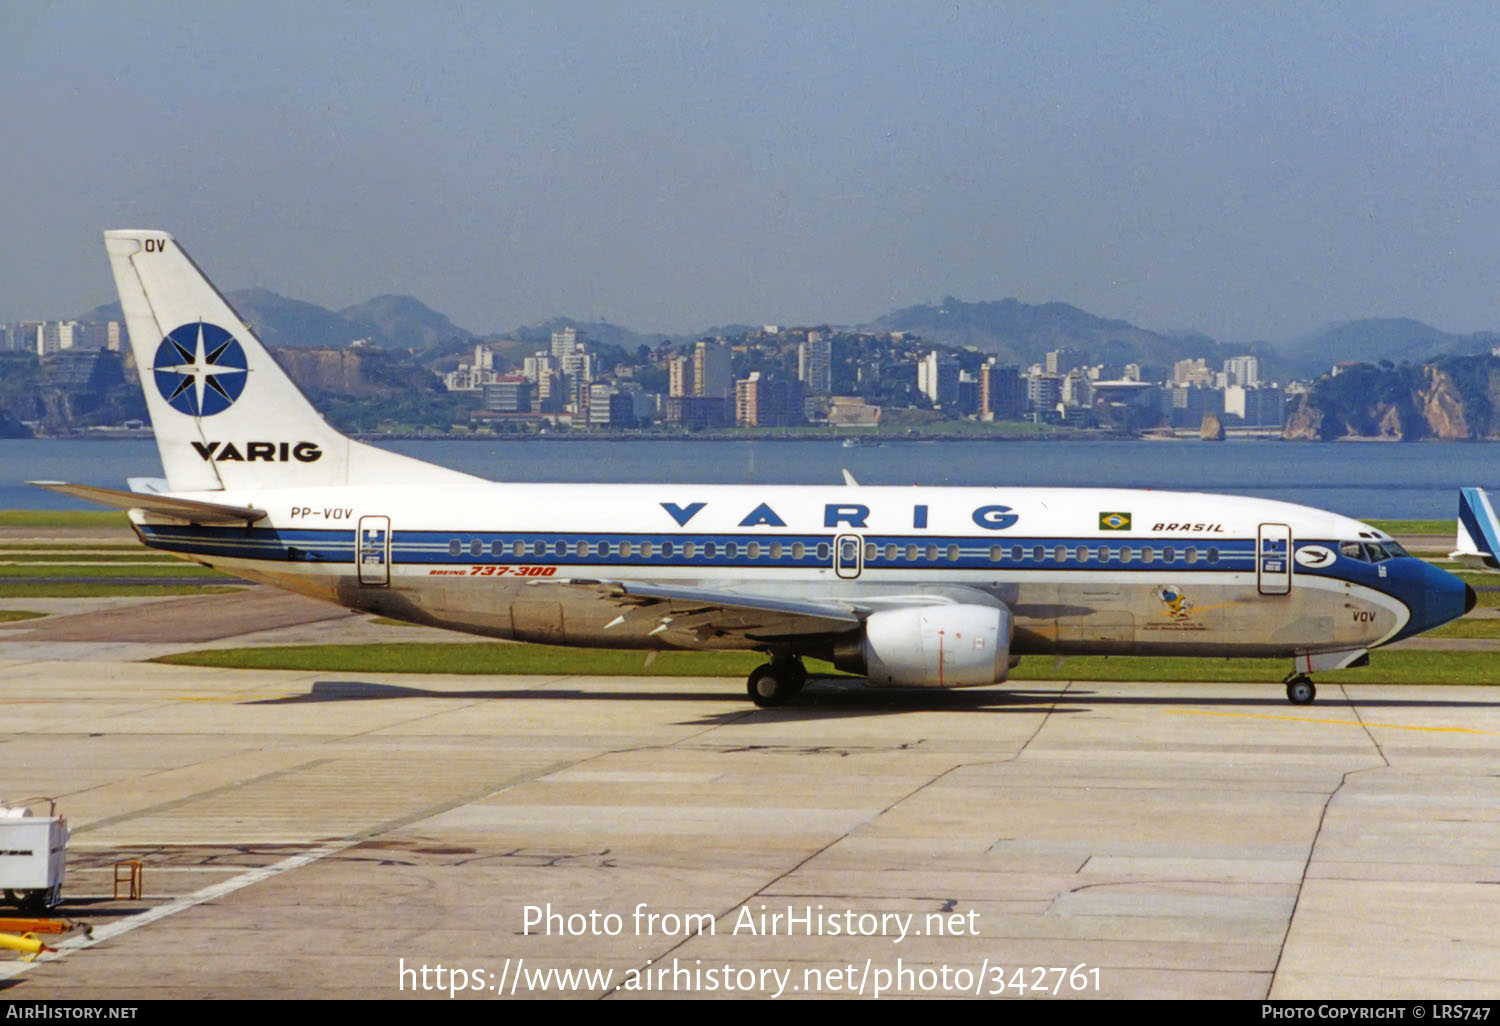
(910, 587)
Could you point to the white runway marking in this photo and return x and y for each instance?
(182, 904)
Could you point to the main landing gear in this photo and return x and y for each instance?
(1300, 689)
(777, 682)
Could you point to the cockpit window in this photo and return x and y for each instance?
(1395, 549)
(1377, 551)
(1352, 550)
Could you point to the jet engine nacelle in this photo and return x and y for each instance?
(937, 646)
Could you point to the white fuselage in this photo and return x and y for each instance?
(1080, 570)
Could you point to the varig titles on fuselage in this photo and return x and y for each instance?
(852, 515)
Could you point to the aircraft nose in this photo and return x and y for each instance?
(1448, 597)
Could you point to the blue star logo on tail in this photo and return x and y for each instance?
(200, 369)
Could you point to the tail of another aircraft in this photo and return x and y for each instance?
(226, 415)
(1478, 530)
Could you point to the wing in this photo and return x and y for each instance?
(692, 616)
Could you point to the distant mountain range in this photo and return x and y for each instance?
(392, 322)
(1018, 332)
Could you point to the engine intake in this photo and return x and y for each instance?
(931, 646)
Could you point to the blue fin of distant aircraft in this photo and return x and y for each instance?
(1478, 530)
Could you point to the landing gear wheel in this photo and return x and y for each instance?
(773, 684)
(1300, 690)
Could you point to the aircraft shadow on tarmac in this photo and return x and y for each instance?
(826, 697)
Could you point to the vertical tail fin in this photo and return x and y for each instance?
(226, 415)
(1478, 530)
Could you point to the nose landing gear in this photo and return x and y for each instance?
(1300, 689)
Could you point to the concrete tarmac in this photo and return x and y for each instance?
(323, 835)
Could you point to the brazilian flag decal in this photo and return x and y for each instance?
(1114, 521)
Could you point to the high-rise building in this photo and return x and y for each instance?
(713, 374)
(1060, 361)
(764, 402)
(1192, 372)
(680, 376)
(1256, 407)
(1001, 395)
(1043, 392)
(815, 364)
(937, 378)
(564, 342)
(508, 393)
(1242, 370)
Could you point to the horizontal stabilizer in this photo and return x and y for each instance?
(1478, 530)
(193, 510)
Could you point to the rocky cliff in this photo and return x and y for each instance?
(1450, 399)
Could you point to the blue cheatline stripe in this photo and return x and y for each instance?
(1478, 518)
(815, 551)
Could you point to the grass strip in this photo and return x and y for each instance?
(12, 615)
(63, 518)
(101, 589)
(1407, 667)
(1471, 627)
(176, 568)
(1413, 526)
(87, 556)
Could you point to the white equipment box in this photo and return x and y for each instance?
(33, 857)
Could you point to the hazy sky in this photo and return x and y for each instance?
(1252, 170)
